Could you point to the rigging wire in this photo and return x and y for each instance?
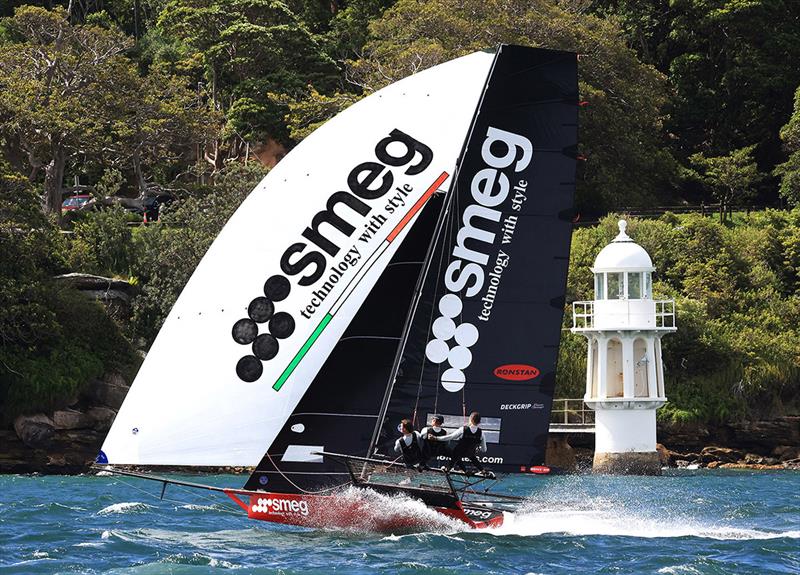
(293, 484)
(447, 232)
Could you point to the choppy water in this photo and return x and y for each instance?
(685, 523)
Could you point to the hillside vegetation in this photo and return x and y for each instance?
(684, 102)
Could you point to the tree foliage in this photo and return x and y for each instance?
(731, 178)
(53, 341)
(620, 128)
(789, 171)
(249, 48)
(57, 82)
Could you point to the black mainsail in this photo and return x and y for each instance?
(485, 333)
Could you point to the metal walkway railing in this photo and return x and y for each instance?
(571, 416)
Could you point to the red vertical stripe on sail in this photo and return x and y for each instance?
(416, 207)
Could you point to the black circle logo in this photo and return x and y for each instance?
(280, 325)
(249, 368)
(277, 288)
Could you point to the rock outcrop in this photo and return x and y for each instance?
(67, 440)
(36, 430)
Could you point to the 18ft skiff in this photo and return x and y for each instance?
(409, 258)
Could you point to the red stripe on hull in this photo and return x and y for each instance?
(330, 511)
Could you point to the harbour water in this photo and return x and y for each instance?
(685, 522)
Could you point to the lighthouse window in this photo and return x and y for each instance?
(635, 286)
(616, 286)
(648, 286)
(600, 286)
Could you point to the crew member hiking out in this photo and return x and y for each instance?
(469, 440)
(430, 447)
(410, 446)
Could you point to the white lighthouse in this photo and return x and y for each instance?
(624, 373)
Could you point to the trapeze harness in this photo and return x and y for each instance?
(412, 454)
(435, 448)
(466, 447)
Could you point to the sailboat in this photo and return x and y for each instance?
(408, 258)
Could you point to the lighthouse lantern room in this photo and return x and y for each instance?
(623, 326)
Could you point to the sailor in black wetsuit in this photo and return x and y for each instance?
(469, 439)
(410, 446)
(430, 447)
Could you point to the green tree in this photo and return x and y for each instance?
(249, 48)
(31, 249)
(101, 243)
(733, 64)
(57, 83)
(160, 125)
(789, 171)
(308, 113)
(167, 254)
(620, 129)
(731, 178)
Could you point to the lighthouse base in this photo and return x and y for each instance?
(630, 463)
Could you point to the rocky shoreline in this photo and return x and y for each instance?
(67, 441)
(773, 444)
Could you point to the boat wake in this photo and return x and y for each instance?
(125, 507)
(578, 514)
(623, 524)
(395, 513)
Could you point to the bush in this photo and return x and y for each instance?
(101, 243)
(85, 345)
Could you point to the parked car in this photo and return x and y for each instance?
(152, 205)
(75, 202)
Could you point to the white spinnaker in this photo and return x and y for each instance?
(187, 405)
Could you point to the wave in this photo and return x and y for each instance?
(614, 518)
(125, 507)
(195, 507)
(51, 505)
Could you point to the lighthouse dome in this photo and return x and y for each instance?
(623, 254)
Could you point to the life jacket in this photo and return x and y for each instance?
(411, 453)
(470, 439)
(434, 448)
(442, 431)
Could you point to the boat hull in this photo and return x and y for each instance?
(332, 511)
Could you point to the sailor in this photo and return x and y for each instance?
(470, 440)
(431, 447)
(410, 446)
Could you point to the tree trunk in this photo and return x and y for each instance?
(137, 170)
(53, 184)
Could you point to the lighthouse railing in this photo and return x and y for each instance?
(623, 314)
(665, 313)
(582, 314)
